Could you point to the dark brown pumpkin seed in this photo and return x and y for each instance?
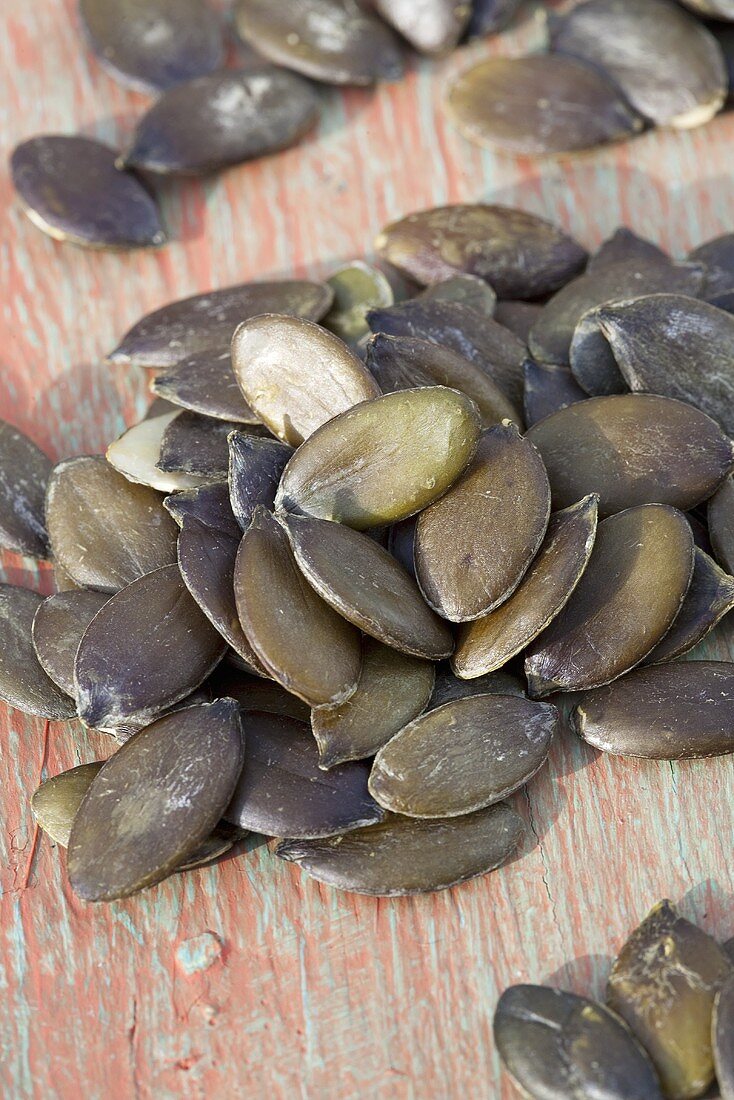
(58, 627)
(155, 801)
(717, 255)
(624, 246)
(432, 27)
(448, 687)
(358, 287)
(663, 984)
(463, 756)
(403, 855)
(208, 503)
(205, 383)
(206, 321)
(148, 647)
(490, 16)
(282, 790)
(221, 840)
(556, 1045)
(404, 363)
(254, 693)
(367, 586)
(488, 643)
(297, 375)
(721, 523)
(669, 712)
(520, 254)
(539, 105)
(159, 407)
(666, 63)
(255, 468)
(24, 471)
(548, 388)
(153, 44)
(137, 451)
(722, 1038)
(302, 643)
(197, 445)
(70, 188)
(336, 41)
(473, 546)
(632, 449)
(224, 119)
(709, 598)
(23, 682)
(518, 317)
(105, 531)
(55, 803)
(383, 460)
(628, 596)
(467, 290)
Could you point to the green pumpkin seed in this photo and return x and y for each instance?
(403, 855)
(198, 446)
(433, 27)
(297, 375)
(282, 790)
(58, 627)
(548, 388)
(136, 452)
(358, 287)
(253, 693)
(709, 598)
(255, 468)
(363, 583)
(463, 756)
(473, 546)
(520, 254)
(155, 801)
(104, 531)
(624, 246)
(301, 642)
(205, 383)
(146, 649)
(518, 317)
(384, 460)
(669, 712)
(489, 642)
(466, 290)
(25, 472)
(721, 523)
(632, 449)
(626, 600)
(556, 1045)
(57, 800)
(722, 1032)
(663, 984)
(448, 687)
(23, 682)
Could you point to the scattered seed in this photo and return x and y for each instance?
(57, 800)
(548, 388)
(136, 452)
(709, 598)
(358, 287)
(58, 627)
(205, 383)
(255, 468)
(23, 682)
(467, 290)
(432, 27)
(197, 446)
(25, 472)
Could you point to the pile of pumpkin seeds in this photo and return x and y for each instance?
(667, 1029)
(300, 592)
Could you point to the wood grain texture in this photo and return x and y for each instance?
(246, 979)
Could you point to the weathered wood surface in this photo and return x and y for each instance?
(245, 979)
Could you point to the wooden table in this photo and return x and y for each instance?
(247, 980)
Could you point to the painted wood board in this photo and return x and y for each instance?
(247, 979)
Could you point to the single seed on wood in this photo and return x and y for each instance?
(25, 472)
(54, 805)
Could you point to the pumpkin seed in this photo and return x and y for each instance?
(220, 120)
(490, 16)
(300, 641)
(403, 855)
(665, 63)
(254, 693)
(432, 27)
(136, 452)
(104, 531)
(158, 407)
(62, 581)
(401, 543)
(626, 600)
(70, 189)
(393, 689)
(467, 290)
(205, 383)
(668, 712)
(520, 254)
(624, 246)
(539, 105)
(153, 44)
(25, 471)
(282, 790)
(58, 627)
(722, 1031)
(709, 598)
(383, 460)
(336, 41)
(208, 503)
(297, 375)
(721, 523)
(221, 840)
(404, 363)
(206, 321)
(488, 345)
(632, 449)
(447, 687)
(717, 9)
(556, 1045)
(491, 641)
(146, 649)
(463, 756)
(358, 287)
(717, 256)
(255, 468)
(548, 388)
(23, 682)
(663, 984)
(197, 446)
(57, 800)
(518, 317)
(700, 533)
(363, 583)
(473, 546)
(155, 801)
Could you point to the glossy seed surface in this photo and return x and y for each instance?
(473, 546)
(548, 388)
(518, 253)
(489, 642)
(282, 790)
(23, 682)
(668, 712)
(627, 598)
(197, 446)
(632, 449)
(208, 503)
(709, 598)
(205, 383)
(467, 290)
(255, 468)
(432, 27)
(383, 460)
(300, 640)
(723, 1038)
(59, 626)
(463, 756)
(104, 530)
(363, 583)
(403, 855)
(721, 523)
(24, 473)
(70, 188)
(663, 984)
(155, 801)
(137, 451)
(147, 648)
(296, 375)
(358, 287)
(54, 805)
